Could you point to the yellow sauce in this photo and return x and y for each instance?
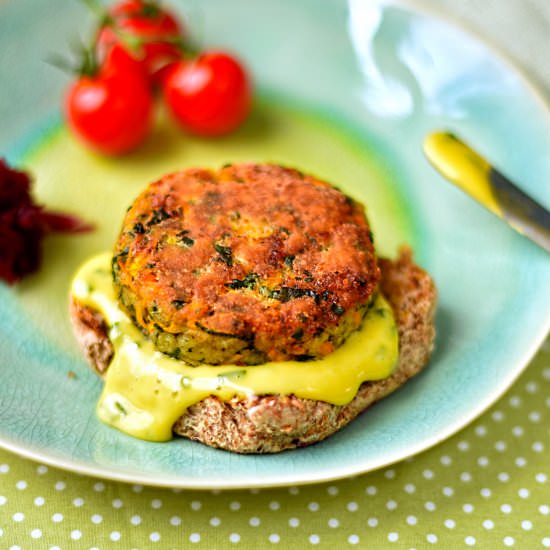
(146, 391)
(463, 166)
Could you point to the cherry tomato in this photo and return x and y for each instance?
(210, 95)
(146, 21)
(111, 111)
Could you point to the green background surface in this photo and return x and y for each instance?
(487, 487)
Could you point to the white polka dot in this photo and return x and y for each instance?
(215, 521)
(538, 447)
(36, 533)
(515, 401)
(294, 490)
(505, 508)
(4, 468)
(352, 506)
(497, 416)
(155, 536)
(523, 493)
(449, 523)
(481, 431)
(57, 548)
(391, 505)
(448, 491)
(372, 522)
(39, 501)
(488, 524)
(353, 539)
(274, 505)
(194, 537)
(468, 508)
(99, 487)
(541, 478)
(500, 446)
(18, 516)
(41, 469)
(503, 476)
(446, 460)
(410, 488)
(430, 506)
(114, 536)
(431, 538)
(313, 506)
(3, 500)
(60, 486)
(254, 521)
(483, 461)
(389, 474)
(135, 520)
(196, 505)
(470, 541)
(254, 491)
(463, 446)
(235, 505)
(428, 474)
(96, 518)
(371, 490)
(508, 541)
(532, 387)
(57, 517)
(156, 503)
(21, 485)
(137, 488)
(392, 537)
(175, 521)
(333, 523)
(544, 509)
(485, 492)
(274, 538)
(466, 476)
(78, 502)
(76, 534)
(517, 431)
(332, 490)
(411, 520)
(15, 547)
(117, 503)
(234, 537)
(520, 462)
(526, 525)
(546, 542)
(295, 522)
(314, 539)
(534, 416)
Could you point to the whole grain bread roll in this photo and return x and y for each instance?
(273, 423)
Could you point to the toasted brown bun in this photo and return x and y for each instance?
(273, 423)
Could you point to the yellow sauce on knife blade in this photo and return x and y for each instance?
(146, 391)
(463, 166)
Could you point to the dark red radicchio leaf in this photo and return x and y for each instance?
(24, 224)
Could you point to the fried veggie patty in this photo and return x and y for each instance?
(248, 264)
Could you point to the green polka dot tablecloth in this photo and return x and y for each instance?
(486, 487)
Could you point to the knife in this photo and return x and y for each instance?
(472, 173)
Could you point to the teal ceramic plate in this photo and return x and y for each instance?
(346, 90)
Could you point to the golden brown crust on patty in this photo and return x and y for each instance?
(256, 262)
(272, 423)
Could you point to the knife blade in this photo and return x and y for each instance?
(468, 170)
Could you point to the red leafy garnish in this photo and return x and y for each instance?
(24, 224)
